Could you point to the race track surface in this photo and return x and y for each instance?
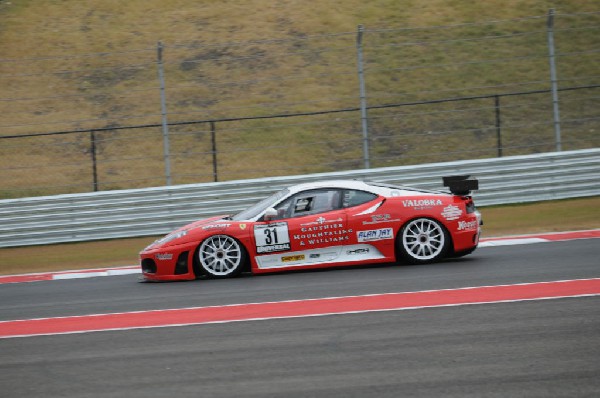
(539, 348)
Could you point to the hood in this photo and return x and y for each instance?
(181, 232)
(200, 223)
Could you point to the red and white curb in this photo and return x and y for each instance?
(301, 308)
(135, 269)
(74, 274)
(539, 238)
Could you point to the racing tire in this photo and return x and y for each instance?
(221, 256)
(422, 240)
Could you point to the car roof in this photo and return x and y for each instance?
(386, 190)
(348, 184)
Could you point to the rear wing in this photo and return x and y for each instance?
(461, 185)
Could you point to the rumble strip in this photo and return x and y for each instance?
(301, 308)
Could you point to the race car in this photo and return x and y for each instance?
(323, 224)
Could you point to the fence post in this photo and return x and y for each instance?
(163, 108)
(213, 139)
(93, 152)
(553, 80)
(498, 130)
(363, 97)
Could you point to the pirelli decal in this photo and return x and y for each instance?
(297, 257)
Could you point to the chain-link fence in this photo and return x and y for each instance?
(196, 112)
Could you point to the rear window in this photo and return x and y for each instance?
(353, 197)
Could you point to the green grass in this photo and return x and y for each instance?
(273, 53)
(564, 215)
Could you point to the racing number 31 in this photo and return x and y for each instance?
(272, 237)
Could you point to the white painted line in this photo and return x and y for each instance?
(78, 275)
(511, 242)
(114, 272)
(110, 272)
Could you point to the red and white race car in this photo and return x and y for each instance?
(323, 224)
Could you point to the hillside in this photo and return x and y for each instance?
(80, 65)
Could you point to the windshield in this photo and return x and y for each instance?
(261, 206)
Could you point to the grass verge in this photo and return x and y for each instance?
(83, 65)
(552, 216)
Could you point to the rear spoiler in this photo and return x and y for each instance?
(461, 185)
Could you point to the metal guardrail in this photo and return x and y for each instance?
(156, 211)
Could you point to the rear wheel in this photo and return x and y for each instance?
(221, 256)
(423, 240)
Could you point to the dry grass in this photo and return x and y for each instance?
(553, 216)
(82, 255)
(212, 43)
(566, 215)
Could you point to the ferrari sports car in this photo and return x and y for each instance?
(323, 224)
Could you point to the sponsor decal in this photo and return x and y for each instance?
(297, 257)
(451, 212)
(164, 256)
(319, 234)
(215, 226)
(420, 204)
(273, 248)
(273, 237)
(358, 251)
(380, 218)
(268, 261)
(322, 220)
(327, 227)
(242, 226)
(375, 234)
(467, 225)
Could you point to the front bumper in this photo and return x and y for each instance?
(169, 263)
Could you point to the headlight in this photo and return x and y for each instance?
(173, 236)
(168, 238)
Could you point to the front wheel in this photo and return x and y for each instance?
(423, 240)
(221, 256)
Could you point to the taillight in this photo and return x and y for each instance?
(470, 207)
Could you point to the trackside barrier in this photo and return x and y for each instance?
(156, 211)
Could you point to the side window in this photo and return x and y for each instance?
(302, 205)
(310, 202)
(355, 198)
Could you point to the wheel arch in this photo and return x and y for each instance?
(398, 237)
(197, 269)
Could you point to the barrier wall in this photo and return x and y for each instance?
(156, 211)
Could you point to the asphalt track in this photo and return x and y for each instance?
(525, 348)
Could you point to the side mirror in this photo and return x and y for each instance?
(270, 214)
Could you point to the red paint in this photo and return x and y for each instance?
(314, 307)
(25, 278)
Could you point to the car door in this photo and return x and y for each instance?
(311, 229)
(374, 225)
